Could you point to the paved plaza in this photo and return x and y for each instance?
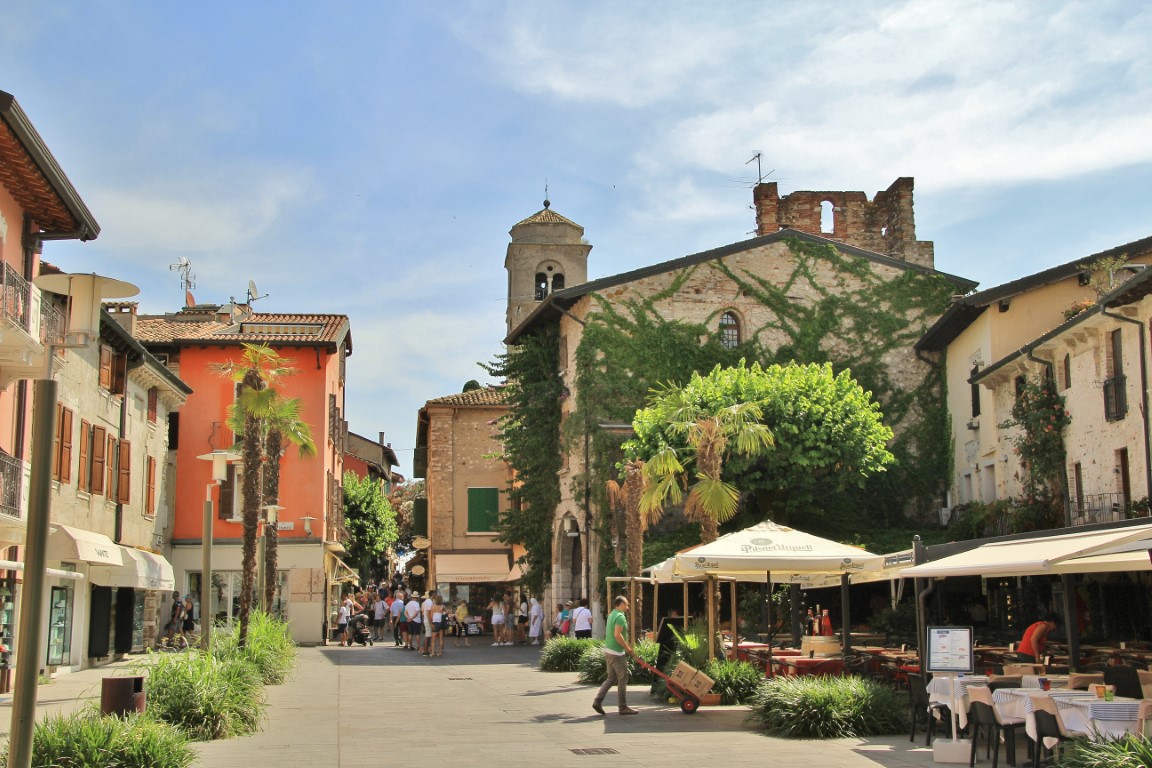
(481, 706)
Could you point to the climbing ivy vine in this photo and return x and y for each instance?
(530, 434)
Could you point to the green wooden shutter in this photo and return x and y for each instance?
(420, 517)
(483, 509)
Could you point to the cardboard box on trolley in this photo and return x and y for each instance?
(691, 679)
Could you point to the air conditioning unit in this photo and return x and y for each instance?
(973, 423)
(945, 516)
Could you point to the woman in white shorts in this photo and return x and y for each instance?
(497, 608)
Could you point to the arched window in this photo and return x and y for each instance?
(827, 218)
(541, 286)
(729, 330)
(558, 281)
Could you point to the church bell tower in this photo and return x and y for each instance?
(547, 254)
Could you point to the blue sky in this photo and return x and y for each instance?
(368, 158)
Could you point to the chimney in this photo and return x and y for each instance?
(124, 313)
(766, 201)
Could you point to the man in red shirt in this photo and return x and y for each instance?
(1035, 641)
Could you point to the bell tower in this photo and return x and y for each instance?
(547, 254)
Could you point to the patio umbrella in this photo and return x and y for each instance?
(757, 552)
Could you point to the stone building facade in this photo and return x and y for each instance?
(458, 453)
(763, 290)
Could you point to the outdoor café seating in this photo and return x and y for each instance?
(983, 718)
(923, 708)
(1125, 679)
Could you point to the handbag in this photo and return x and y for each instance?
(565, 626)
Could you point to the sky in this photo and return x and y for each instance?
(368, 157)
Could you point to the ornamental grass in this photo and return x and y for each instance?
(828, 708)
(1129, 751)
(593, 668)
(269, 647)
(205, 696)
(562, 654)
(86, 740)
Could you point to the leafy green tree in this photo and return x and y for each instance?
(371, 522)
(829, 434)
(258, 368)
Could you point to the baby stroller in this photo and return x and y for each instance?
(359, 632)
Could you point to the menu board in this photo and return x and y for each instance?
(950, 649)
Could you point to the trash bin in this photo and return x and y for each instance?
(122, 695)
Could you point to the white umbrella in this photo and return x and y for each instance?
(768, 547)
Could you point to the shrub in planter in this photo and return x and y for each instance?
(594, 670)
(269, 647)
(562, 654)
(736, 681)
(828, 707)
(207, 697)
(1128, 752)
(87, 740)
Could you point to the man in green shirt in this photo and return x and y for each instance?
(616, 653)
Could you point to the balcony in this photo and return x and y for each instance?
(1115, 398)
(11, 488)
(1100, 508)
(27, 325)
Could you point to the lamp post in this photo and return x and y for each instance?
(84, 293)
(220, 460)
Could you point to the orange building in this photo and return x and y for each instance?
(310, 524)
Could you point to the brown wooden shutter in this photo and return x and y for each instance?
(150, 486)
(153, 397)
(119, 374)
(66, 446)
(124, 488)
(106, 367)
(227, 490)
(99, 459)
(57, 443)
(85, 449)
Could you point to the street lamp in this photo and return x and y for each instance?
(220, 460)
(84, 293)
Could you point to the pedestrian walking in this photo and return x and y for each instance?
(497, 608)
(412, 637)
(535, 621)
(582, 620)
(616, 653)
(439, 620)
(397, 618)
(379, 617)
(462, 623)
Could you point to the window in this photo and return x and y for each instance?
(1078, 486)
(483, 510)
(541, 286)
(976, 392)
(62, 445)
(1067, 371)
(153, 401)
(729, 331)
(150, 486)
(558, 281)
(1020, 383)
(93, 453)
(827, 217)
(1116, 347)
(420, 517)
(226, 507)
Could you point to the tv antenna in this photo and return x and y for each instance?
(759, 171)
(254, 292)
(187, 279)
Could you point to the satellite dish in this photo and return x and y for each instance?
(421, 542)
(189, 299)
(254, 292)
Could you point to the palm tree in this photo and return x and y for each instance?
(258, 367)
(710, 437)
(284, 427)
(627, 497)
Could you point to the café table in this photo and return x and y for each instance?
(1099, 718)
(799, 666)
(940, 691)
(1017, 703)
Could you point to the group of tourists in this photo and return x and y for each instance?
(181, 622)
(514, 623)
(414, 622)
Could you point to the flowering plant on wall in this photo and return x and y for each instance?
(1041, 417)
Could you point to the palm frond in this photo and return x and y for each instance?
(710, 497)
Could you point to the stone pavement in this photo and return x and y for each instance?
(484, 706)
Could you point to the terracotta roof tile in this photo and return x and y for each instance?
(482, 396)
(257, 327)
(547, 216)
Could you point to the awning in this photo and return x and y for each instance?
(768, 547)
(1080, 552)
(341, 572)
(472, 568)
(141, 570)
(68, 543)
(11, 565)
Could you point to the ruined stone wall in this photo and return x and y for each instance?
(886, 224)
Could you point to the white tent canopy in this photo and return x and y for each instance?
(768, 547)
(1079, 552)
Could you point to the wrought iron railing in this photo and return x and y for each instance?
(11, 481)
(15, 296)
(52, 324)
(1100, 508)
